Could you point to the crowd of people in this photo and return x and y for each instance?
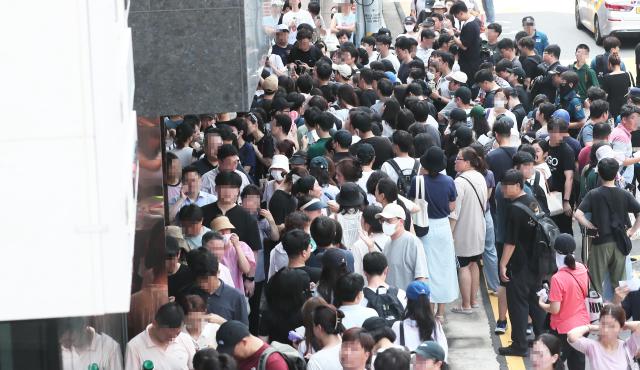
(344, 220)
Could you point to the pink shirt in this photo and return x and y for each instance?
(231, 261)
(599, 358)
(570, 293)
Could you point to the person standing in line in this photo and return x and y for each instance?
(518, 267)
(468, 225)
(562, 163)
(440, 193)
(468, 40)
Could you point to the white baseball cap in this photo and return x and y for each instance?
(607, 152)
(392, 210)
(457, 76)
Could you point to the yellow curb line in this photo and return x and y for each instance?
(513, 362)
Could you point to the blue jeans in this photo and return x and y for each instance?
(490, 257)
(489, 10)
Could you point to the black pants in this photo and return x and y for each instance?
(573, 357)
(254, 304)
(522, 302)
(564, 222)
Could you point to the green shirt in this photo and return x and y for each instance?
(586, 78)
(317, 149)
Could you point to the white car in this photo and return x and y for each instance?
(608, 17)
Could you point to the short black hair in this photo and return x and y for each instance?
(610, 42)
(427, 34)
(226, 151)
(392, 358)
(501, 128)
(601, 131)
(304, 34)
(557, 124)
(628, 109)
(169, 315)
(583, 46)
(362, 121)
(295, 242)
(250, 189)
(187, 169)
(348, 47)
(513, 177)
(547, 109)
(385, 87)
(570, 77)
(190, 213)
(484, 75)
(374, 263)
(228, 178)
(608, 168)
(403, 140)
(211, 235)
(284, 121)
(305, 83)
(341, 33)
(323, 231)
(464, 93)
(348, 287)
(323, 70)
(367, 75)
(527, 43)
(497, 27)
(458, 7)
(384, 39)
(420, 110)
(554, 50)
(202, 263)
(447, 58)
(325, 121)
(504, 65)
(506, 43)
(598, 107)
(403, 43)
(369, 40)
(595, 93)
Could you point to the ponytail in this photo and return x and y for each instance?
(570, 261)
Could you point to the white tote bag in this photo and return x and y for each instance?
(420, 218)
(554, 202)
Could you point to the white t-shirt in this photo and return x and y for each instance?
(359, 249)
(327, 358)
(103, 351)
(362, 181)
(207, 338)
(177, 356)
(299, 17)
(515, 135)
(405, 163)
(393, 59)
(354, 315)
(412, 335)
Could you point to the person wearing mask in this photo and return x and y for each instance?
(608, 351)
(356, 349)
(386, 193)
(517, 267)
(163, 342)
(327, 328)
(418, 323)
(569, 287)
(545, 353)
(404, 253)
(609, 206)
(278, 171)
(567, 99)
(440, 193)
(238, 257)
(234, 339)
(468, 225)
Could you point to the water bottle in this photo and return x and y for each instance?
(93, 366)
(147, 365)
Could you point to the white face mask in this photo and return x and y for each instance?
(277, 175)
(388, 229)
(430, 76)
(499, 103)
(226, 238)
(409, 27)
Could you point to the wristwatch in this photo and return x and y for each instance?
(248, 278)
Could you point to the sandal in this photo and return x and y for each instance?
(475, 305)
(465, 311)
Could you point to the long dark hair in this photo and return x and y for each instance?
(476, 161)
(420, 311)
(328, 278)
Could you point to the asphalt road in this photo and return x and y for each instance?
(556, 19)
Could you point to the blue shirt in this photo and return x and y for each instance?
(541, 42)
(440, 190)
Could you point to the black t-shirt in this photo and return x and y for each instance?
(530, 65)
(604, 200)
(560, 159)
(246, 225)
(310, 57)
(281, 204)
(338, 156)
(313, 272)
(267, 148)
(180, 280)
(403, 72)
(381, 145)
(616, 86)
(283, 53)
(469, 59)
(203, 166)
(500, 160)
(368, 97)
(521, 233)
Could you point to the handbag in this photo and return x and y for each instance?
(592, 299)
(420, 219)
(554, 203)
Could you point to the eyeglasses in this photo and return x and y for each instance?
(460, 159)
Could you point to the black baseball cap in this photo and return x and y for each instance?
(298, 158)
(528, 20)
(172, 248)
(430, 350)
(458, 115)
(229, 334)
(343, 137)
(564, 244)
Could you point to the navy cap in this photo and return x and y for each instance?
(634, 93)
(430, 350)
(333, 257)
(343, 137)
(229, 334)
(319, 162)
(564, 244)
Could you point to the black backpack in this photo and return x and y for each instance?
(404, 181)
(544, 254)
(387, 305)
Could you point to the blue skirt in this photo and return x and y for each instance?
(441, 260)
